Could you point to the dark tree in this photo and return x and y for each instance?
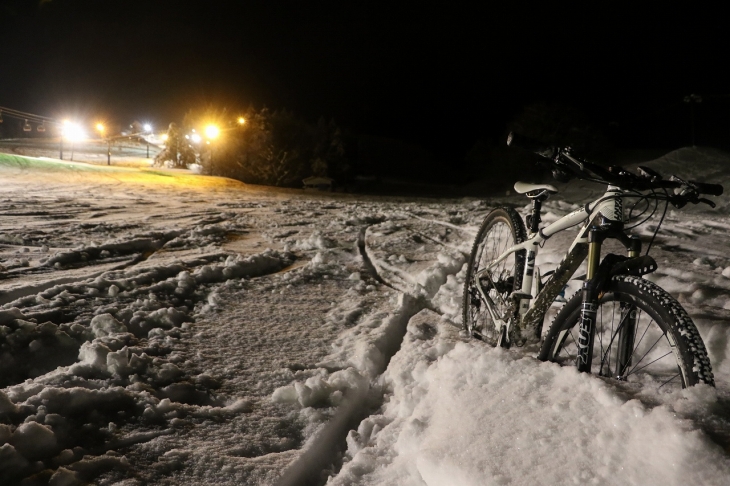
(561, 125)
(177, 152)
(279, 149)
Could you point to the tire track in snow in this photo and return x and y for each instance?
(315, 462)
(367, 261)
(407, 279)
(420, 296)
(146, 251)
(312, 466)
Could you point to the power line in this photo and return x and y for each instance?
(21, 115)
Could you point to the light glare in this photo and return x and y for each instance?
(73, 132)
(212, 131)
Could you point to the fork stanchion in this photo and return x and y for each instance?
(587, 324)
(627, 323)
(594, 253)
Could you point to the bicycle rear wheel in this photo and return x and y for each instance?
(643, 336)
(501, 229)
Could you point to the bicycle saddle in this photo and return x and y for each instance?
(534, 191)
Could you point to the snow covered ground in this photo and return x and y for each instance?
(159, 327)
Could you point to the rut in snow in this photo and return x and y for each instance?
(316, 462)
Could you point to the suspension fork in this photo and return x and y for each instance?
(589, 305)
(629, 317)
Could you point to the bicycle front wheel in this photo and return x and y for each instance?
(500, 230)
(643, 336)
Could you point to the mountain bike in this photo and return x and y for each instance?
(619, 325)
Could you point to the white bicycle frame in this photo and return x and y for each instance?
(609, 205)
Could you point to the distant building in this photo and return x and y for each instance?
(319, 183)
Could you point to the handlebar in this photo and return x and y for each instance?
(710, 189)
(565, 163)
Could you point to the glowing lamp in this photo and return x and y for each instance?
(212, 131)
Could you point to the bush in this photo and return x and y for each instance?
(278, 149)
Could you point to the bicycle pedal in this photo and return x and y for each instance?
(520, 296)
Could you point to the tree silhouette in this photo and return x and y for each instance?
(277, 148)
(560, 125)
(177, 152)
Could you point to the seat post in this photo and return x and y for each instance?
(534, 220)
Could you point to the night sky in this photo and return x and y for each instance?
(439, 74)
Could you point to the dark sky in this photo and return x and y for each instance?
(441, 74)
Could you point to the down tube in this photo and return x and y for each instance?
(532, 319)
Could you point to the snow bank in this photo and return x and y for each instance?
(464, 414)
(321, 390)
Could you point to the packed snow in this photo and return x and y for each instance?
(160, 327)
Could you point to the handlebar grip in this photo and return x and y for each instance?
(520, 141)
(711, 189)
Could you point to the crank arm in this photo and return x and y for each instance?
(504, 334)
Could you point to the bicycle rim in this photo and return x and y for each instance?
(495, 238)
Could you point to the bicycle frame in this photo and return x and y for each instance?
(609, 206)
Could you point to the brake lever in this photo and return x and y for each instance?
(678, 201)
(706, 201)
(681, 200)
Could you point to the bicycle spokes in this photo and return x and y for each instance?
(629, 346)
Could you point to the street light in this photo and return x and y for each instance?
(212, 132)
(101, 128)
(147, 128)
(72, 132)
(60, 139)
(241, 120)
